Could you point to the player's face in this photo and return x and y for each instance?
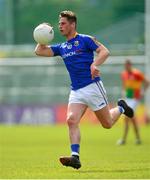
(65, 26)
(128, 67)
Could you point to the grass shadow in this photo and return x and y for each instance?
(114, 171)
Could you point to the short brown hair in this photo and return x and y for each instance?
(71, 16)
(128, 61)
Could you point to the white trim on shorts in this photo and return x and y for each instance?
(92, 95)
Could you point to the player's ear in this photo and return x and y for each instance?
(73, 25)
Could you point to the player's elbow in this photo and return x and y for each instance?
(107, 53)
(104, 51)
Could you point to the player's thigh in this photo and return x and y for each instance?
(75, 111)
(103, 115)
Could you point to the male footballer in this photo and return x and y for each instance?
(87, 89)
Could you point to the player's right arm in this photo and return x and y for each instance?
(43, 50)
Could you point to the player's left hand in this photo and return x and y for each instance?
(94, 71)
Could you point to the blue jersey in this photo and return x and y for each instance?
(78, 55)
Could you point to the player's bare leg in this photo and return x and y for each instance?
(136, 130)
(126, 128)
(108, 116)
(74, 114)
(122, 141)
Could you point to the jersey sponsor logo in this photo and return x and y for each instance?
(69, 54)
(69, 46)
(63, 45)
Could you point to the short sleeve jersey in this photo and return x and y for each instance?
(133, 83)
(78, 55)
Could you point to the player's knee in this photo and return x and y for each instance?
(71, 121)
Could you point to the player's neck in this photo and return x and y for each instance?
(71, 35)
(130, 70)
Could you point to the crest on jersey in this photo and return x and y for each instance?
(76, 43)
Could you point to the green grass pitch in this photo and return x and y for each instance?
(33, 152)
